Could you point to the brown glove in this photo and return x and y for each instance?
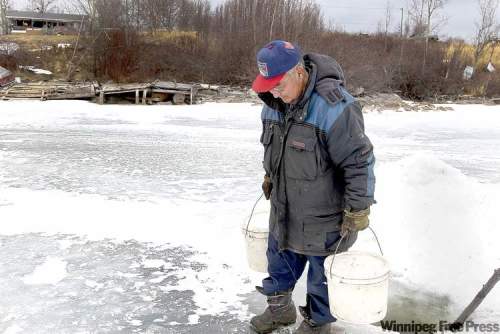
(267, 186)
(354, 221)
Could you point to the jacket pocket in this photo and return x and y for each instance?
(301, 158)
(317, 231)
(266, 139)
(333, 239)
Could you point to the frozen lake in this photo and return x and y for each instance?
(121, 219)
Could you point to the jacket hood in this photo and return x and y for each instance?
(328, 68)
(329, 77)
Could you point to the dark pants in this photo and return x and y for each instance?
(285, 269)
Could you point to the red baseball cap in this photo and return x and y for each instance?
(273, 61)
(262, 84)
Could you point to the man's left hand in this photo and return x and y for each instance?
(267, 187)
(355, 221)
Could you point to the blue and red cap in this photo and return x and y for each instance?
(273, 61)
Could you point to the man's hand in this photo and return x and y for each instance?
(267, 186)
(354, 221)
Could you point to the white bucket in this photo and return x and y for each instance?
(358, 287)
(256, 243)
(256, 233)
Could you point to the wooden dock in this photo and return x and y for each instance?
(180, 93)
(119, 89)
(138, 93)
(48, 91)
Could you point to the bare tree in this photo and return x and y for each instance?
(384, 24)
(85, 7)
(425, 16)
(433, 24)
(388, 17)
(42, 6)
(434, 15)
(487, 28)
(387, 22)
(426, 20)
(416, 17)
(4, 25)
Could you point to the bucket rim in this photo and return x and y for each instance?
(364, 281)
(262, 234)
(375, 279)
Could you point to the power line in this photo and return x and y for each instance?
(356, 23)
(364, 8)
(390, 8)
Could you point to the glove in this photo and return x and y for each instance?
(267, 186)
(354, 221)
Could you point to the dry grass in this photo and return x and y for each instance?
(169, 36)
(33, 41)
(34, 52)
(468, 53)
(36, 40)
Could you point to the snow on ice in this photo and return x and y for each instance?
(52, 271)
(139, 210)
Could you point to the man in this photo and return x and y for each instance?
(319, 178)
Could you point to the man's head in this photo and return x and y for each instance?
(282, 72)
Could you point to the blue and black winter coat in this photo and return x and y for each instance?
(319, 159)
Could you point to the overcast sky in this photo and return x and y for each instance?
(364, 15)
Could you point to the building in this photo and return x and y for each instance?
(48, 23)
(6, 77)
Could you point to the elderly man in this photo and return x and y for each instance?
(319, 178)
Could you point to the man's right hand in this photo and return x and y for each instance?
(355, 221)
(267, 186)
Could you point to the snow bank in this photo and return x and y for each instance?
(438, 228)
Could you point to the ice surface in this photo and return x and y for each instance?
(52, 271)
(145, 205)
(100, 292)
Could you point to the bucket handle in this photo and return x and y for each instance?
(251, 213)
(342, 238)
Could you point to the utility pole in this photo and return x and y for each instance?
(3, 19)
(127, 27)
(401, 51)
(402, 20)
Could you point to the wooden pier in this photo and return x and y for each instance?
(138, 93)
(48, 91)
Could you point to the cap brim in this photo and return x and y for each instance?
(262, 84)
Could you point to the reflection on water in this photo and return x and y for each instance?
(408, 304)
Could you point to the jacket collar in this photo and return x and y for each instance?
(299, 109)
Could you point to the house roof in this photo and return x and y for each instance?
(18, 14)
(4, 73)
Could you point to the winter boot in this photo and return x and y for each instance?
(308, 328)
(280, 312)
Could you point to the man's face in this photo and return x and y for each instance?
(289, 88)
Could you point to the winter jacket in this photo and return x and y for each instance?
(319, 159)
